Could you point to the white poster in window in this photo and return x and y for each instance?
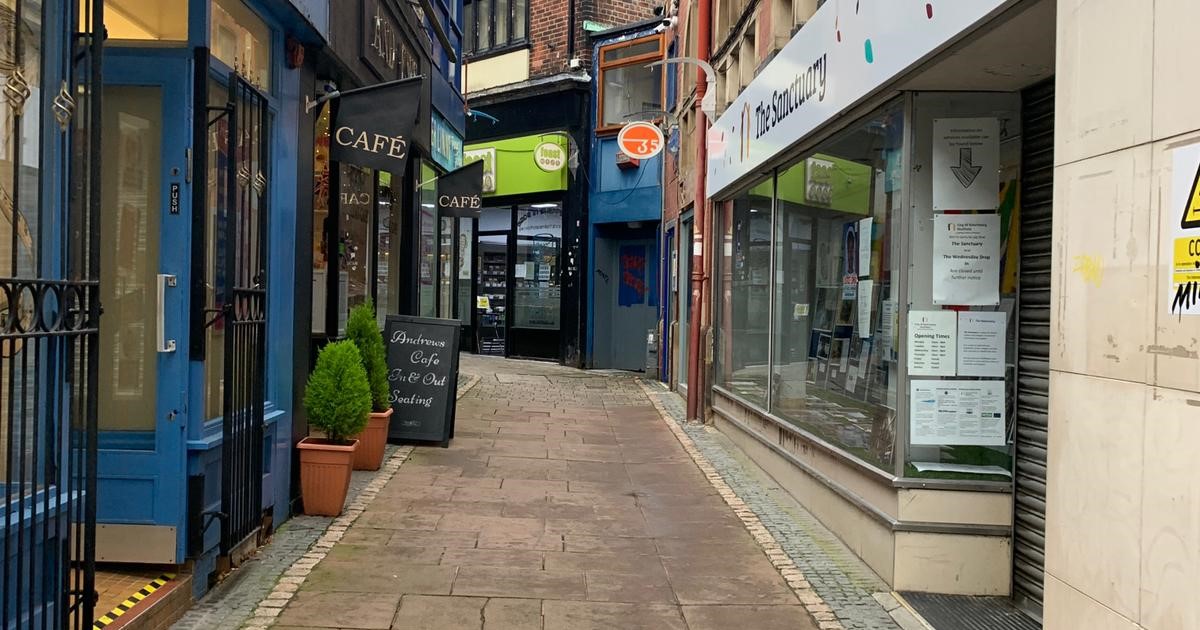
(887, 327)
(981, 343)
(931, 343)
(966, 164)
(865, 232)
(966, 259)
(960, 413)
(866, 299)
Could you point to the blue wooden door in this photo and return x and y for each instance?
(145, 252)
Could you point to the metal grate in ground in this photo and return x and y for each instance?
(962, 612)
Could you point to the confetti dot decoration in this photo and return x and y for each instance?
(869, 51)
(929, 10)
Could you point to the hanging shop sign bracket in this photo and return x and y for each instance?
(709, 104)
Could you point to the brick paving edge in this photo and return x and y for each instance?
(294, 576)
(821, 613)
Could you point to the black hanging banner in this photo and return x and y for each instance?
(373, 126)
(460, 192)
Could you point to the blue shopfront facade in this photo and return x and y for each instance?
(202, 102)
(155, 306)
(624, 201)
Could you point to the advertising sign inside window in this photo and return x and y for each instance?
(447, 144)
(488, 157)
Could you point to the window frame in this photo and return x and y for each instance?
(471, 33)
(605, 66)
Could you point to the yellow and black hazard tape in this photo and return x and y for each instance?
(132, 601)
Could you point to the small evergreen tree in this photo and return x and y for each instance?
(362, 329)
(338, 397)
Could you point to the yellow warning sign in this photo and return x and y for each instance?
(1191, 210)
(1184, 272)
(1186, 261)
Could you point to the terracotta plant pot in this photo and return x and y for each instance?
(372, 441)
(325, 469)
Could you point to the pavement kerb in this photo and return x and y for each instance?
(294, 576)
(788, 569)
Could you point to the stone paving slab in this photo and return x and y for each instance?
(600, 519)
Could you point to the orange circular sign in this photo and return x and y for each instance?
(640, 140)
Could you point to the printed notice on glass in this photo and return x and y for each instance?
(866, 299)
(865, 234)
(887, 327)
(957, 413)
(932, 343)
(966, 259)
(981, 342)
(966, 163)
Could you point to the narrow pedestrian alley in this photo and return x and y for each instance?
(567, 499)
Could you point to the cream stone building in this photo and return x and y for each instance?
(944, 252)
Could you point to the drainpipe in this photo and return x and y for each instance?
(570, 31)
(698, 329)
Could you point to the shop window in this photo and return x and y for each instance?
(143, 20)
(387, 234)
(835, 291)
(961, 406)
(427, 221)
(628, 89)
(447, 233)
(490, 25)
(536, 288)
(357, 203)
(743, 338)
(466, 242)
(242, 41)
(320, 243)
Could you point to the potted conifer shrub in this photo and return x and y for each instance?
(338, 399)
(362, 329)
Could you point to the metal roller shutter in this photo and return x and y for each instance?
(1033, 349)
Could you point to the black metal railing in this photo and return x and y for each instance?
(244, 313)
(49, 310)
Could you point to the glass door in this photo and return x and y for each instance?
(144, 256)
(537, 290)
(492, 301)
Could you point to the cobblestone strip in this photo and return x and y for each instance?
(271, 607)
(812, 602)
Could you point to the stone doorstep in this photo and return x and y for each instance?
(159, 610)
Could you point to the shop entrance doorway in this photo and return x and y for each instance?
(625, 298)
(143, 348)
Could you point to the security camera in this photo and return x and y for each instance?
(659, 10)
(329, 87)
(665, 24)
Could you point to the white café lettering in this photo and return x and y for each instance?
(420, 358)
(396, 146)
(460, 201)
(421, 340)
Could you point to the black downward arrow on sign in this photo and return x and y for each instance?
(965, 172)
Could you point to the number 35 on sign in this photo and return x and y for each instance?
(640, 140)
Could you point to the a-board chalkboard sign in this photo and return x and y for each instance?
(422, 358)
